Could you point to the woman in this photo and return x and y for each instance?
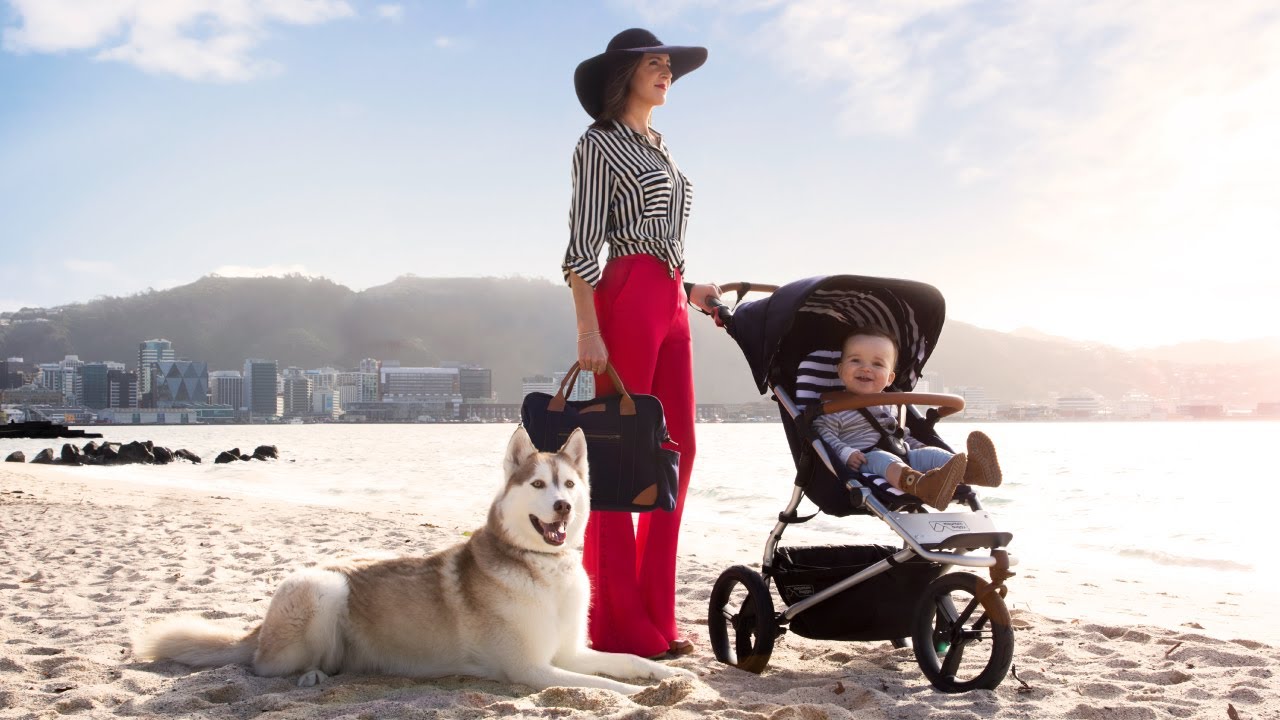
(628, 192)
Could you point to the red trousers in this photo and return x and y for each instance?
(645, 325)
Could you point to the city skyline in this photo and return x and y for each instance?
(190, 386)
(1090, 170)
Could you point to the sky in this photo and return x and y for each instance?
(1090, 169)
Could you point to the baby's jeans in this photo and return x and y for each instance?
(922, 459)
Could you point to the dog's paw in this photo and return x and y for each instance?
(662, 671)
(681, 672)
(312, 678)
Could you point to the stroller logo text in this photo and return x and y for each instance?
(949, 526)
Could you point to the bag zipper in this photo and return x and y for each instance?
(594, 436)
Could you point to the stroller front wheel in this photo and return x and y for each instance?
(740, 622)
(962, 636)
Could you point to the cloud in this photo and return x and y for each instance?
(263, 271)
(193, 39)
(444, 42)
(90, 267)
(394, 13)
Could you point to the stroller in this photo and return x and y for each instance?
(957, 622)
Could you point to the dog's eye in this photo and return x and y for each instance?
(538, 484)
(568, 483)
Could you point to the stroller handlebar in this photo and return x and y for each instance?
(719, 310)
(840, 400)
(743, 288)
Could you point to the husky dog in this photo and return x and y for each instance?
(508, 604)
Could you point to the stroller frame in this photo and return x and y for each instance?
(953, 610)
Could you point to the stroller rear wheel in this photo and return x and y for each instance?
(963, 639)
(740, 620)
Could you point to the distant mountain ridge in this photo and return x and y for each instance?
(520, 327)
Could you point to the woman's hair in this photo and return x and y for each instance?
(616, 90)
(873, 331)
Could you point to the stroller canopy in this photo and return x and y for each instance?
(776, 332)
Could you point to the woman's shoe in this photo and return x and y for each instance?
(680, 647)
(983, 468)
(676, 649)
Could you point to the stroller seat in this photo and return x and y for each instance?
(817, 374)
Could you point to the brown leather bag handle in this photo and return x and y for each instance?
(626, 407)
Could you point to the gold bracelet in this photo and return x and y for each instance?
(584, 335)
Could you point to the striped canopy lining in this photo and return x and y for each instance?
(817, 372)
(854, 308)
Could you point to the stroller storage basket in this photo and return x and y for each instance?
(880, 608)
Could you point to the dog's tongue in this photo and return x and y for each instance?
(553, 533)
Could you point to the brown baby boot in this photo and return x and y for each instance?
(983, 468)
(937, 486)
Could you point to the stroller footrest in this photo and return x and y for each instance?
(972, 541)
(951, 530)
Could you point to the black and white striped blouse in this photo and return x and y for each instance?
(628, 192)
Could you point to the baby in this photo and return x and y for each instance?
(865, 440)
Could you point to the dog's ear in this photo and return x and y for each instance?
(519, 450)
(575, 451)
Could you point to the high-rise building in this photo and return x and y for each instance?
(408, 382)
(11, 373)
(100, 385)
(357, 387)
(976, 403)
(325, 402)
(226, 387)
(180, 382)
(70, 381)
(322, 378)
(122, 387)
(95, 387)
(149, 353)
(260, 387)
(297, 395)
(584, 388)
(49, 376)
(538, 383)
(476, 383)
(374, 367)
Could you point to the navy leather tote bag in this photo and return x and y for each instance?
(630, 470)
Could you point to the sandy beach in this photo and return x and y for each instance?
(88, 563)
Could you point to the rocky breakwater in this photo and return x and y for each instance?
(262, 452)
(142, 452)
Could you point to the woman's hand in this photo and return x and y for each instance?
(699, 294)
(592, 354)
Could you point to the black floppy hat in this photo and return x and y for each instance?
(592, 74)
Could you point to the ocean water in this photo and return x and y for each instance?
(1122, 523)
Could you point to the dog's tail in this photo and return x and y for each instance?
(196, 642)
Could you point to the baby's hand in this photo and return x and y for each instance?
(856, 459)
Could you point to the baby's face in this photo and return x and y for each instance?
(866, 365)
